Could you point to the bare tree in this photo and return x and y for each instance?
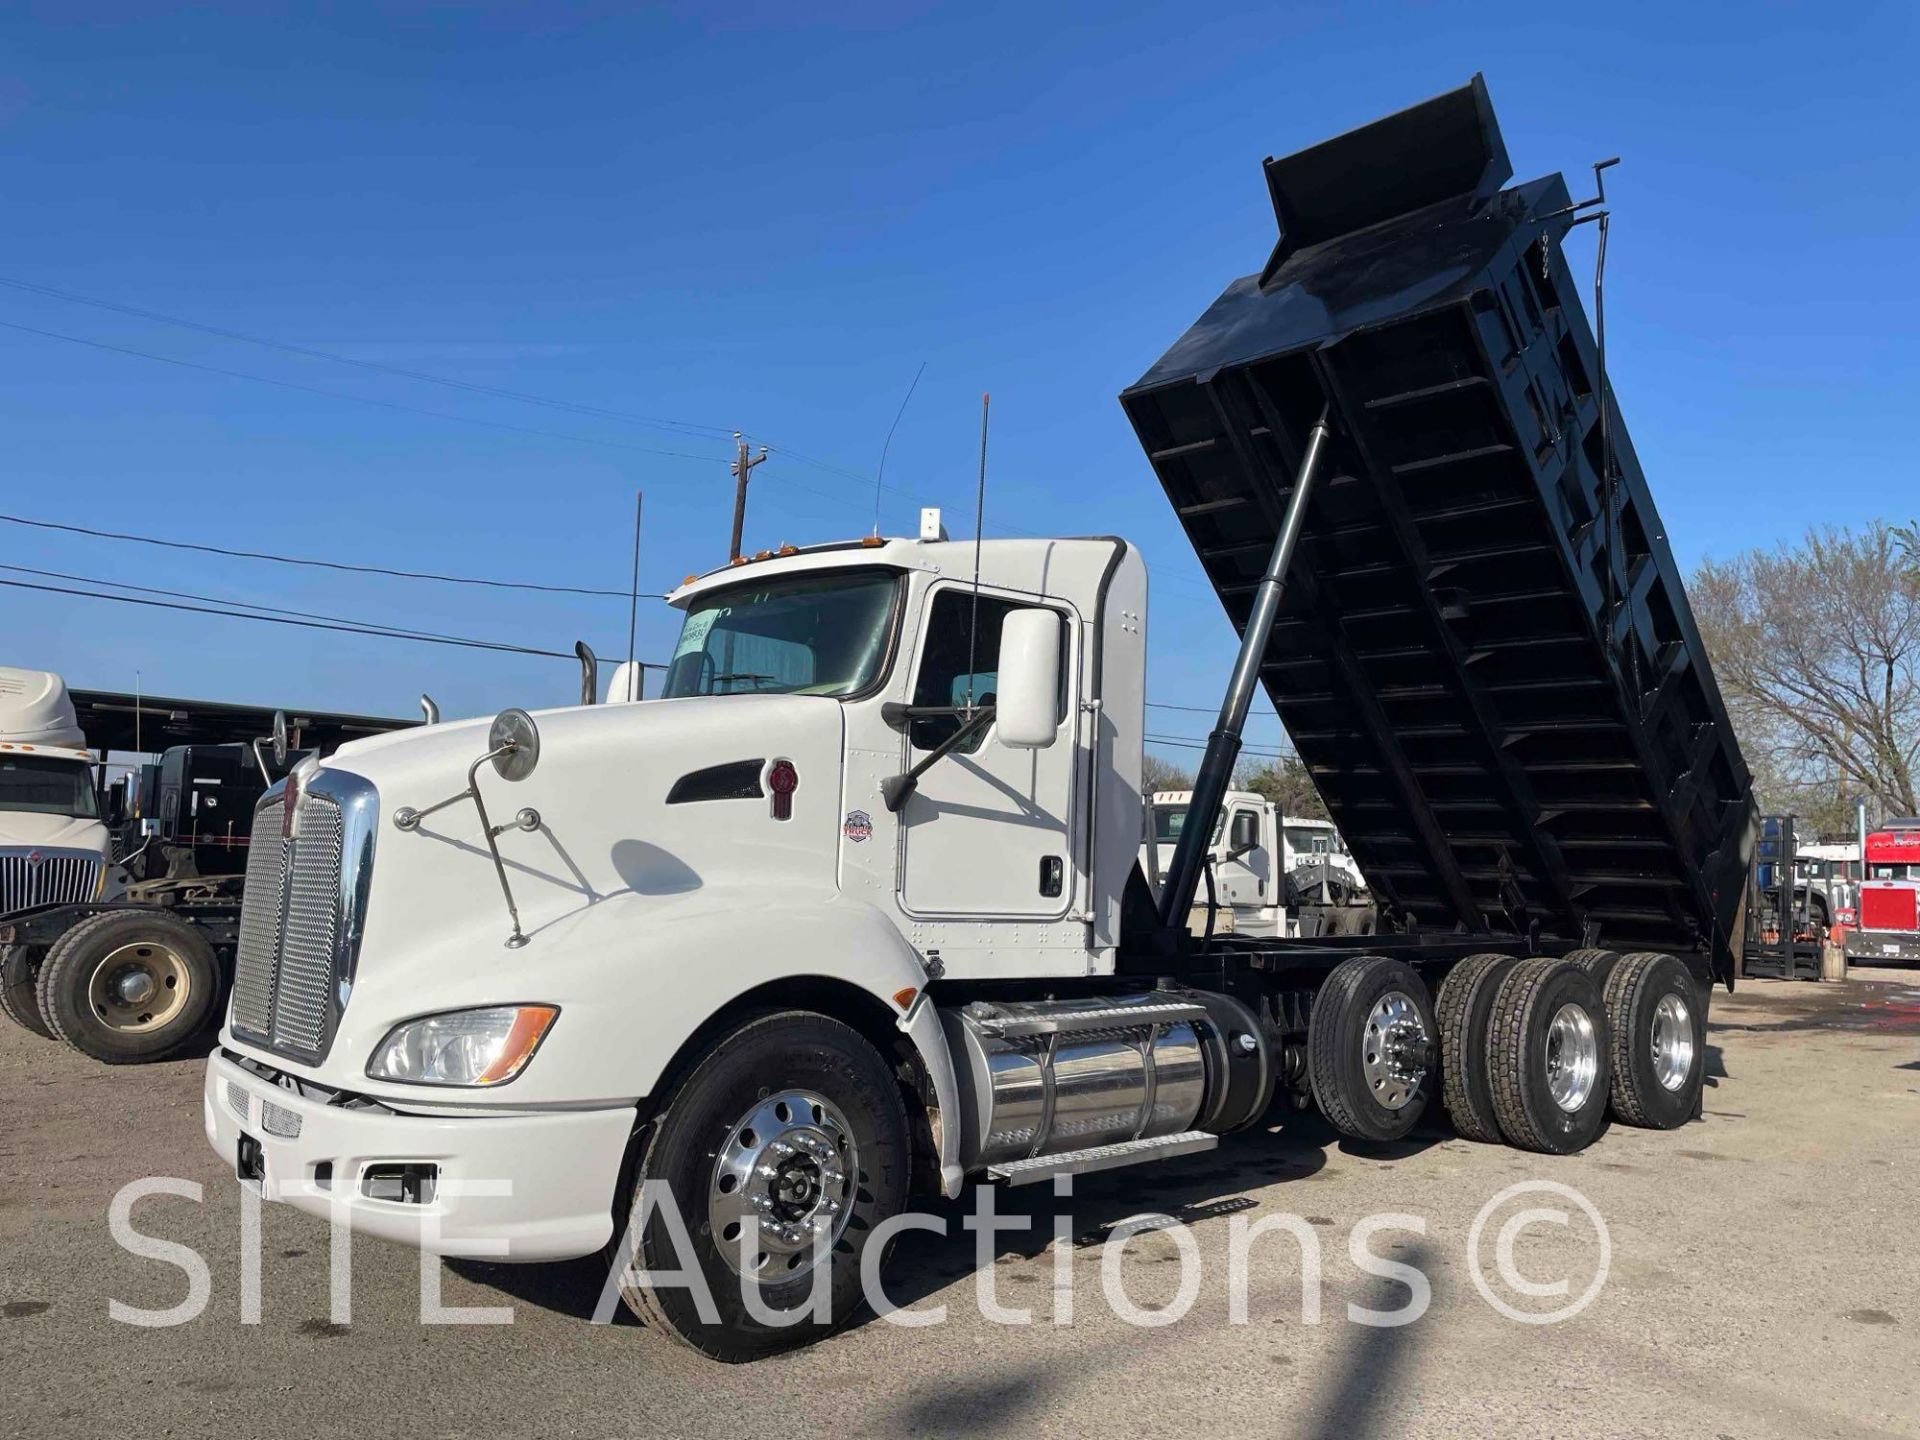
(1287, 784)
(1817, 650)
(1158, 774)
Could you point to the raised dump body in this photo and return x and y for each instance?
(1500, 691)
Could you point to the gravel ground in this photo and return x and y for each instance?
(1762, 1282)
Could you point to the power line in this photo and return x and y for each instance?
(347, 395)
(1189, 709)
(412, 409)
(225, 600)
(378, 632)
(308, 560)
(1188, 744)
(681, 427)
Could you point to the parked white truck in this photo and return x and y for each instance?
(1271, 874)
(853, 911)
(53, 846)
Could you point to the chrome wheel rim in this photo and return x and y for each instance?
(138, 987)
(1573, 1057)
(782, 1185)
(1672, 1041)
(1393, 1050)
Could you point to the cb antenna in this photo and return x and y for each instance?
(979, 529)
(633, 600)
(880, 475)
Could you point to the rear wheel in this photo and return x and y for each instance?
(19, 979)
(787, 1142)
(1371, 1047)
(130, 985)
(1659, 1041)
(1548, 1054)
(1597, 963)
(1466, 1000)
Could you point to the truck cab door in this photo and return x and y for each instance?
(989, 831)
(1246, 881)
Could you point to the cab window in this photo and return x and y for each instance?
(957, 668)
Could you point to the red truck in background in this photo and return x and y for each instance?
(1889, 920)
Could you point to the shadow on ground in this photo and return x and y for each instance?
(1194, 1191)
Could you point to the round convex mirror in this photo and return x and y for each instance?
(515, 729)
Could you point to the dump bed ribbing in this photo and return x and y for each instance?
(1499, 691)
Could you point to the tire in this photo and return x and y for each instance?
(1659, 1025)
(1597, 963)
(1465, 1002)
(1358, 1086)
(139, 941)
(696, 1144)
(1524, 1042)
(19, 987)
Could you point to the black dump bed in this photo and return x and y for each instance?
(1502, 697)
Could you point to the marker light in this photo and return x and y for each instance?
(463, 1047)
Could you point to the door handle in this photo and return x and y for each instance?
(1052, 876)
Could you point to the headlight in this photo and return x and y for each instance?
(463, 1047)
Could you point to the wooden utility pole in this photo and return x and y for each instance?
(742, 467)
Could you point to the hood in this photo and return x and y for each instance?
(52, 832)
(660, 808)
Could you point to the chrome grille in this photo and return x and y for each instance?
(310, 933)
(258, 952)
(299, 922)
(31, 876)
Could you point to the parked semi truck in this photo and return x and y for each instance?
(53, 844)
(853, 911)
(1889, 896)
(1268, 873)
(133, 970)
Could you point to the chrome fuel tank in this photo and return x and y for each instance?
(1040, 1078)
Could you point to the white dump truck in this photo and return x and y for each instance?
(54, 847)
(852, 911)
(1269, 873)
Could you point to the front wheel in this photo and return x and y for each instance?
(777, 1157)
(126, 986)
(19, 987)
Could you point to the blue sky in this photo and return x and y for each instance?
(767, 217)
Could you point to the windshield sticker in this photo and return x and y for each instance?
(858, 826)
(693, 634)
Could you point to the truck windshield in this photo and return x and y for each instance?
(806, 635)
(42, 785)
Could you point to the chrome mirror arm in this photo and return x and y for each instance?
(408, 818)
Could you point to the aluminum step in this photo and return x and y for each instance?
(1102, 1157)
(1107, 1017)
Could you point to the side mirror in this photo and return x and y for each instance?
(514, 744)
(1028, 680)
(280, 740)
